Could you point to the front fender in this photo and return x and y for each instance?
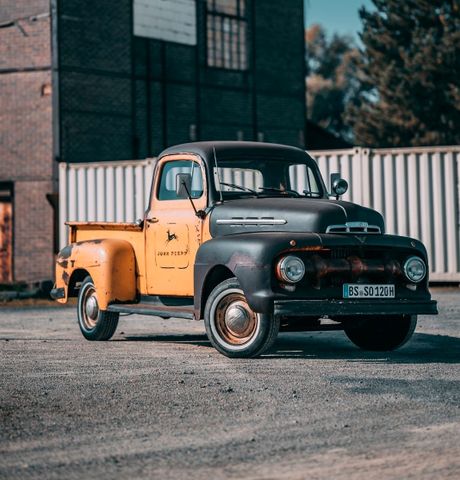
(111, 264)
(250, 258)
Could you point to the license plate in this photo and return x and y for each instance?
(353, 290)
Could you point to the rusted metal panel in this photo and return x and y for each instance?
(6, 237)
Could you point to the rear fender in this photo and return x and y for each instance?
(110, 263)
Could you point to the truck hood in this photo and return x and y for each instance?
(275, 214)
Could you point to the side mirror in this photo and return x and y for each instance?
(183, 185)
(339, 186)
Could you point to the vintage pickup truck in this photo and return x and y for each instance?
(245, 236)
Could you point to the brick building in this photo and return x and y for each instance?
(89, 81)
(27, 169)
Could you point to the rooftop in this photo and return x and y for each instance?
(225, 149)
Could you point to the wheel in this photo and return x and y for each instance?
(380, 334)
(94, 324)
(232, 327)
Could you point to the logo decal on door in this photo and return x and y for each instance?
(172, 246)
(170, 236)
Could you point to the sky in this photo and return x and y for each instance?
(339, 16)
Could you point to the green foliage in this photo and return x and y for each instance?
(330, 79)
(409, 72)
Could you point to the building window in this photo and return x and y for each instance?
(227, 34)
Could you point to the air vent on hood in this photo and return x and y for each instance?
(353, 227)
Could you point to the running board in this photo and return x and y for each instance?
(155, 310)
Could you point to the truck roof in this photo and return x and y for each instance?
(228, 149)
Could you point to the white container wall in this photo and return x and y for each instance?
(103, 192)
(416, 189)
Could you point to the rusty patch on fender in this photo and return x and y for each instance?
(305, 249)
(65, 252)
(65, 277)
(62, 263)
(88, 242)
(242, 260)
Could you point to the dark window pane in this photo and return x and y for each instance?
(228, 7)
(226, 34)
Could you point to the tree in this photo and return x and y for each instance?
(409, 71)
(330, 79)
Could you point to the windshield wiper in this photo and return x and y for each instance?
(274, 189)
(239, 187)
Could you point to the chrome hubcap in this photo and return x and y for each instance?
(89, 308)
(237, 319)
(234, 321)
(92, 308)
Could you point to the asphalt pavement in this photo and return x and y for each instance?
(157, 401)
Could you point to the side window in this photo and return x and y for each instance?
(302, 178)
(169, 172)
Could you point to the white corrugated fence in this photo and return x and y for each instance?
(103, 192)
(416, 190)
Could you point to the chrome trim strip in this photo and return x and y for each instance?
(251, 221)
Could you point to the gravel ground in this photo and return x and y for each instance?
(158, 402)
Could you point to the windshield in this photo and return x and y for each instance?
(267, 177)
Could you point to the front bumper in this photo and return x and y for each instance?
(337, 308)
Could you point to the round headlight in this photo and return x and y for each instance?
(415, 269)
(291, 269)
(339, 186)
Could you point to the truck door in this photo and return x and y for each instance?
(173, 231)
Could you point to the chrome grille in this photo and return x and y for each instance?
(354, 228)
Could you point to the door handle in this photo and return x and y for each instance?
(152, 220)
